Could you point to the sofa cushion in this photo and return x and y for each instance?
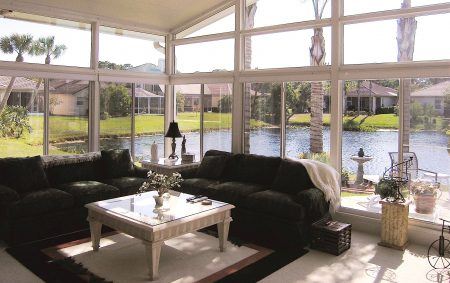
(214, 152)
(117, 163)
(197, 186)
(73, 171)
(276, 204)
(85, 192)
(292, 177)
(41, 202)
(235, 192)
(212, 167)
(126, 185)
(7, 195)
(253, 168)
(23, 174)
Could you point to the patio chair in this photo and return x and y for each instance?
(412, 170)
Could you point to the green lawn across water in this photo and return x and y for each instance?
(381, 121)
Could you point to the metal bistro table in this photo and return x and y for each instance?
(167, 166)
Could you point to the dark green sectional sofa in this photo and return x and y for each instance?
(45, 196)
(275, 200)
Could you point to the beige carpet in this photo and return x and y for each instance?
(187, 258)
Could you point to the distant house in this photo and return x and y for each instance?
(212, 95)
(21, 93)
(69, 98)
(432, 95)
(371, 97)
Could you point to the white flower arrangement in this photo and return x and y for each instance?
(161, 183)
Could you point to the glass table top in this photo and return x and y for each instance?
(141, 207)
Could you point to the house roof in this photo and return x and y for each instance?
(433, 91)
(67, 86)
(210, 89)
(20, 84)
(140, 92)
(368, 88)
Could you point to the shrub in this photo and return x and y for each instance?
(322, 156)
(14, 121)
(385, 110)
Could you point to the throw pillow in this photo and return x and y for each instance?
(212, 167)
(117, 163)
(292, 177)
(23, 174)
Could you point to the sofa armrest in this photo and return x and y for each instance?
(8, 195)
(313, 200)
(140, 172)
(189, 173)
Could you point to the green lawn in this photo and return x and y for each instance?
(382, 121)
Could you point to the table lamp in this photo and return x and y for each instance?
(173, 132)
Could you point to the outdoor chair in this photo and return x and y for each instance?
(412, 170)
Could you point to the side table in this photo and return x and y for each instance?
(167, 167)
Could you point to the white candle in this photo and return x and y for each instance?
(154, 152)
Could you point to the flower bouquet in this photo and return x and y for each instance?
(160, 183)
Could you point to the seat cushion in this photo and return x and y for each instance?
(212, 167)
(117, 163)
(198, 186)
(23, 175)
(252, 168)
(85, 192)
(126, 185)
(276, 204)
(292, 178)
(236, 192)
(73, 171)
(41, 202)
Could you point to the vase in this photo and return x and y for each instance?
(159, 201)
(425, 203)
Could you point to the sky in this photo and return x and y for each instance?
(373, 42)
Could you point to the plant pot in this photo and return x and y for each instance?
(159, 201)
(425, 204)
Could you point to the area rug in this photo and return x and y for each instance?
(193, 257)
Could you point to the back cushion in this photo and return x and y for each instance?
(73, 171)
(212, 167)
(117, 163)
(292, 178)
(23, 174)
(214, 152)
(253, 168)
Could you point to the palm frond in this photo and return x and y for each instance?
(5, 45)
(58, 51)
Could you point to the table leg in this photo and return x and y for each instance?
(223, 228)
(153, 252)
(96, 231)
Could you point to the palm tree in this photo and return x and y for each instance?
(16, 43)
(317, 57)
(406, 34)
(45, 46)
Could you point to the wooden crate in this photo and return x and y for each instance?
(331, 236)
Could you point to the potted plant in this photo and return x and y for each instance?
(425, 194)
(388, 189)
(160, 183)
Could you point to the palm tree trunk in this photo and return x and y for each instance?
(33, 95)
(7, 94)
(406, 33)
(250, 22)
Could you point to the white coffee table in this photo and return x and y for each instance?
(135, 215)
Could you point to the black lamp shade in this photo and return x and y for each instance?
(173, 131)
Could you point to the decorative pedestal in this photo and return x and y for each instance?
(360, 173)
(394, 225)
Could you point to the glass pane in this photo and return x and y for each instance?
(262, 118)
(129, 50)
(188, 117)
(217, 105)
(67, 42)
(365, 6)
(371, 123)
(205, 57)
(429, 141)
(68, 116)
(22, 119)
(115, 115)
(149, 119)
(274, 12)
(286, 49)
(363, 41)
(220, 22)
(305, 139)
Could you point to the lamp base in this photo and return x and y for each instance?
(174, 146)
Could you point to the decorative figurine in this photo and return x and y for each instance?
(154, 152)
(361, 152)
(183, 145)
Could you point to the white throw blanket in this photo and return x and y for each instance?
(325, 178)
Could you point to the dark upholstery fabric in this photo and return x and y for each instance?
(198, 186)
(41, 202)
(313, 200)
(7, 195)
(126, 185)
(275, 203)
(212, 167)
(140, 172)
(292, 178)
(253, 168)
(23, 174)
(117, 163)
(72, 172)
(189, 173)
(236, 192)
(85, 192)
(214, 152)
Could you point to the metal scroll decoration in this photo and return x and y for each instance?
(393, 180)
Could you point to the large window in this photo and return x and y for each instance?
(366, 6)
(43, 40)
(132, 51)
